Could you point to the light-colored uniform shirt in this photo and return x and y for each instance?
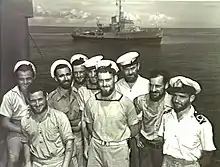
(151, 113)
(13, 104)
(188, 137)
(140, 87)
(68, 104)
(111, 118)
(47, 137)
(84, 94)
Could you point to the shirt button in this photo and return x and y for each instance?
(41, 142)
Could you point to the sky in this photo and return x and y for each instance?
(145, 13)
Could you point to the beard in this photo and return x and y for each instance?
(178, 107)
(107, 92)
(156, 96)
(65, 84)
(80, 81)
(131, 78)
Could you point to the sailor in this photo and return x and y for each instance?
(79, 71)
(151, 107)
(85, 92)
(49, 138)
(65, 99)
(132, 85)
(14, 106)
(111, 120)
(187, 134)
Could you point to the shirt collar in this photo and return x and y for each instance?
(63, 94)
(187, 113)
(137, 81)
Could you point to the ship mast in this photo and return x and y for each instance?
(119, 10)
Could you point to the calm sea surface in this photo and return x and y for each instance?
(191, 52)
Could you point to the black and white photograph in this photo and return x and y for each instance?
(109, 83)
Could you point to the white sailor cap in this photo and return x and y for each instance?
(127, 58)
(24, 62)
(184, 85)
(56, 63)
(78, 57)
(108, 63)
(93, 61)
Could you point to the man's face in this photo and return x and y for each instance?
(38, 102)
(64, 77)
(92, 76)
(181, 101)
(79, 74)
(24, 78)
(157, 88)
(106, 82)
(131, 73)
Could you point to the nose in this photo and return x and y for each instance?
(130, 72)
(25, 81)
(37, 103)
(153, 88)
(104, 83)
(65, 77)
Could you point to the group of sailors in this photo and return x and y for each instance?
(95, 119)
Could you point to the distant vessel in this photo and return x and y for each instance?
(122, 30)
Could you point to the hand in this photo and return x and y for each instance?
(139, 143)
(86, 150)
(74, 149)
(28, 164)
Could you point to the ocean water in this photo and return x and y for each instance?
(194, 53)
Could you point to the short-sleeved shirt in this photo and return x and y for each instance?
(13, 104)
(112, 118)
(140, 87)
(84, 94)
(47, 137)
(68, 104)
(188, 137)
(151, 113)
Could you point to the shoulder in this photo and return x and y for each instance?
(126, 102)
(142, 79)
(11, 92)
(200, 118)
(120, 82)
(56, 113)
(91, 99)
(53, 94)
(141, 99)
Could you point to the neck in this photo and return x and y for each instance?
(181, 114)
(66, 91)
(40, 116)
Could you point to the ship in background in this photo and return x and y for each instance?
(121, 29)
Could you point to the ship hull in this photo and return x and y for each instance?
(144, 40)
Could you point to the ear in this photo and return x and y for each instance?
(116, 78)
(55, 79)
(192, 98)
(47, 96)
(138, 66)
(166, 85)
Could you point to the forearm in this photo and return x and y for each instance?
(27, 154)
(134, 129)
(76, 125)
(206, 158)
(10, 126)
(68, 153)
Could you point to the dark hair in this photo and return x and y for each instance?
(106, 69)
(35, 87)
(24, 68)
(155, 73)
(78, 62)
(59, 67)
